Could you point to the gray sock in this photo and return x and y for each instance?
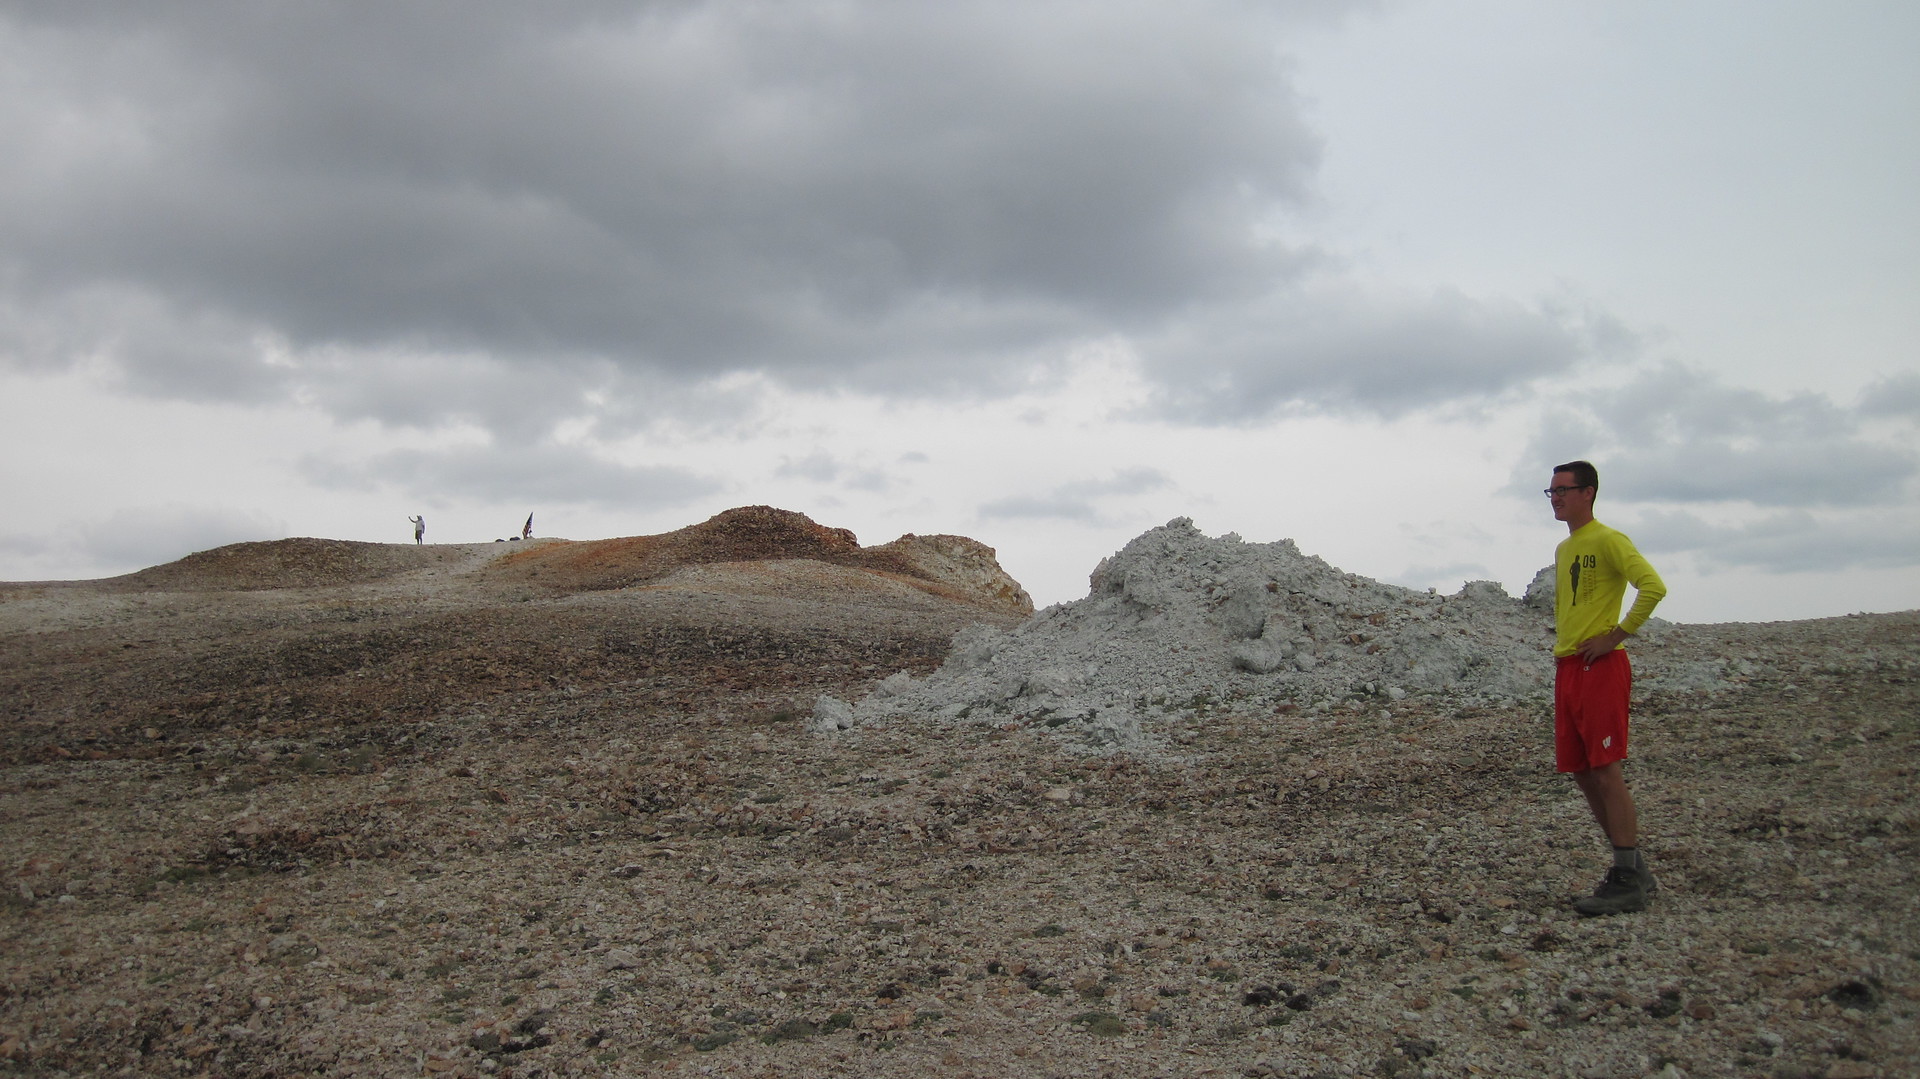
(1626, 858)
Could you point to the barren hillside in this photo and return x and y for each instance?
(554, 809)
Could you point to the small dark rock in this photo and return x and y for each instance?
(791, 1029)
(1862, 994)
(1416, 1048)
(1300, 1002)
(837, 1021)
(1103, 1024)
(1262, 995)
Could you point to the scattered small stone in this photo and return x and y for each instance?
(1861, 994)
(791, 1029)
(1264, 995)
(1416, 1049)
(922, 852)
(1302, 1001)
(831, 715)
(1102, 1024)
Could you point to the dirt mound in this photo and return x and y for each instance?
(950, 566)
(287, 563)
(965, 565)
(407, 634)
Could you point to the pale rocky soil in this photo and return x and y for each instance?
(439, 811)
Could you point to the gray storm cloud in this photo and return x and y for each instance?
(536, 474)
(1348, 348)
(1785, 542)
(1783, 483)
(1893, 396)
(822, 467)
(1687, 437)
(396, 211)
(1076, 501)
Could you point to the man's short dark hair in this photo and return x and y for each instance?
(1584, 474)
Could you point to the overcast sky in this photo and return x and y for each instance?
(1044, 274)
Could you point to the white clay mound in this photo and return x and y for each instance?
(1179, 623)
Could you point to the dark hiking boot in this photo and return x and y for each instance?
(1620, 893)
(1647, 883)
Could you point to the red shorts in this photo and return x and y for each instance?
(1590, 711)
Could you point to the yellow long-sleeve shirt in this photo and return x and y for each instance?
(1592, 569)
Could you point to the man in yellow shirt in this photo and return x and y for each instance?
(1592, 678)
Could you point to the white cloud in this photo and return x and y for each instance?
(1894, 396)
(822, 467)
(533, 475)
(1078, 500)
(1791, 541)
(1338, 345)
(1680, 435)
(133, 537)
(1734, 477)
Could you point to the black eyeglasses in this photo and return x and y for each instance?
(1554, 491)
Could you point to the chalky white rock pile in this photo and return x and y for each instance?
(1178, 620)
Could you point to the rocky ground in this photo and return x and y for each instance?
(430, 812)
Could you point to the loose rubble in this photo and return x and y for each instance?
(455, 822)
(1177, 622)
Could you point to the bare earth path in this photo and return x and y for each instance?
(431, 821)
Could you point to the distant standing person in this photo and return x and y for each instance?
(419, 528)
(1592, 678)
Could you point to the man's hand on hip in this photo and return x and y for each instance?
(1594, 648)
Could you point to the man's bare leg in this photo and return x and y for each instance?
(1611, 803)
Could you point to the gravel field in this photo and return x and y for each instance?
(371, 810)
